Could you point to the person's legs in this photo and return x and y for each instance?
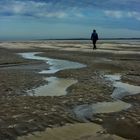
(94, 44)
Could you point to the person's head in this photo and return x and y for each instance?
(94, 31)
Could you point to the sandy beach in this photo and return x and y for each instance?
(23, 116)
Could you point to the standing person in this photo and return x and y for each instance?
(94, 38)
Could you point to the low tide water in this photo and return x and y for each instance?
(86, 111)
(58, 86)
(55, 86)
(121, 89)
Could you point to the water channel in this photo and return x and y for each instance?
(60, 84)
(82, 111)
(121, 89)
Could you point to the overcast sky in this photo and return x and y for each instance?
(30, 19)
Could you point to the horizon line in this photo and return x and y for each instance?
(106, 38)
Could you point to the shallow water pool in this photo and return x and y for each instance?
(56, 86)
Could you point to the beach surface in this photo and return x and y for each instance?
(25, 116)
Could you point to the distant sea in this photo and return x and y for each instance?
(72, 39)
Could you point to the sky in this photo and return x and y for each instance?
(50, 19)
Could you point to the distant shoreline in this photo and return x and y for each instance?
(89, 39)
(9, 40)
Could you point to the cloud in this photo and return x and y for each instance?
(114, 14)
(36, 9)
(122, 14)
(65, 8)
(106, 4)
(135, 15)
(30, 8)
(52, 14)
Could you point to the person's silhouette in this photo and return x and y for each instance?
(94, 38)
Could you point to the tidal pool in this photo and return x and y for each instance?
(55, 64)
(85, 112)
(121, 89)
(79, 131)
(56, 86)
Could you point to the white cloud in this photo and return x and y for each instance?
(53, 14)
(38, 9)
(80, 15)
(133, 14)
(114, 14)
(122, 14)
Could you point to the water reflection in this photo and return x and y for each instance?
(56, 86)
(122, 89)
(85, 112)
(55, 64)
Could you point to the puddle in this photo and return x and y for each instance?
(86, 112)
(113, 78)
(122, 89)
(79, 131)
(82, 111)
(56, 86)
(55, 64)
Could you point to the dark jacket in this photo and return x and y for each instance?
(94, 36)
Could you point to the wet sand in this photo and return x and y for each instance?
(21, 114)
(85, 131)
